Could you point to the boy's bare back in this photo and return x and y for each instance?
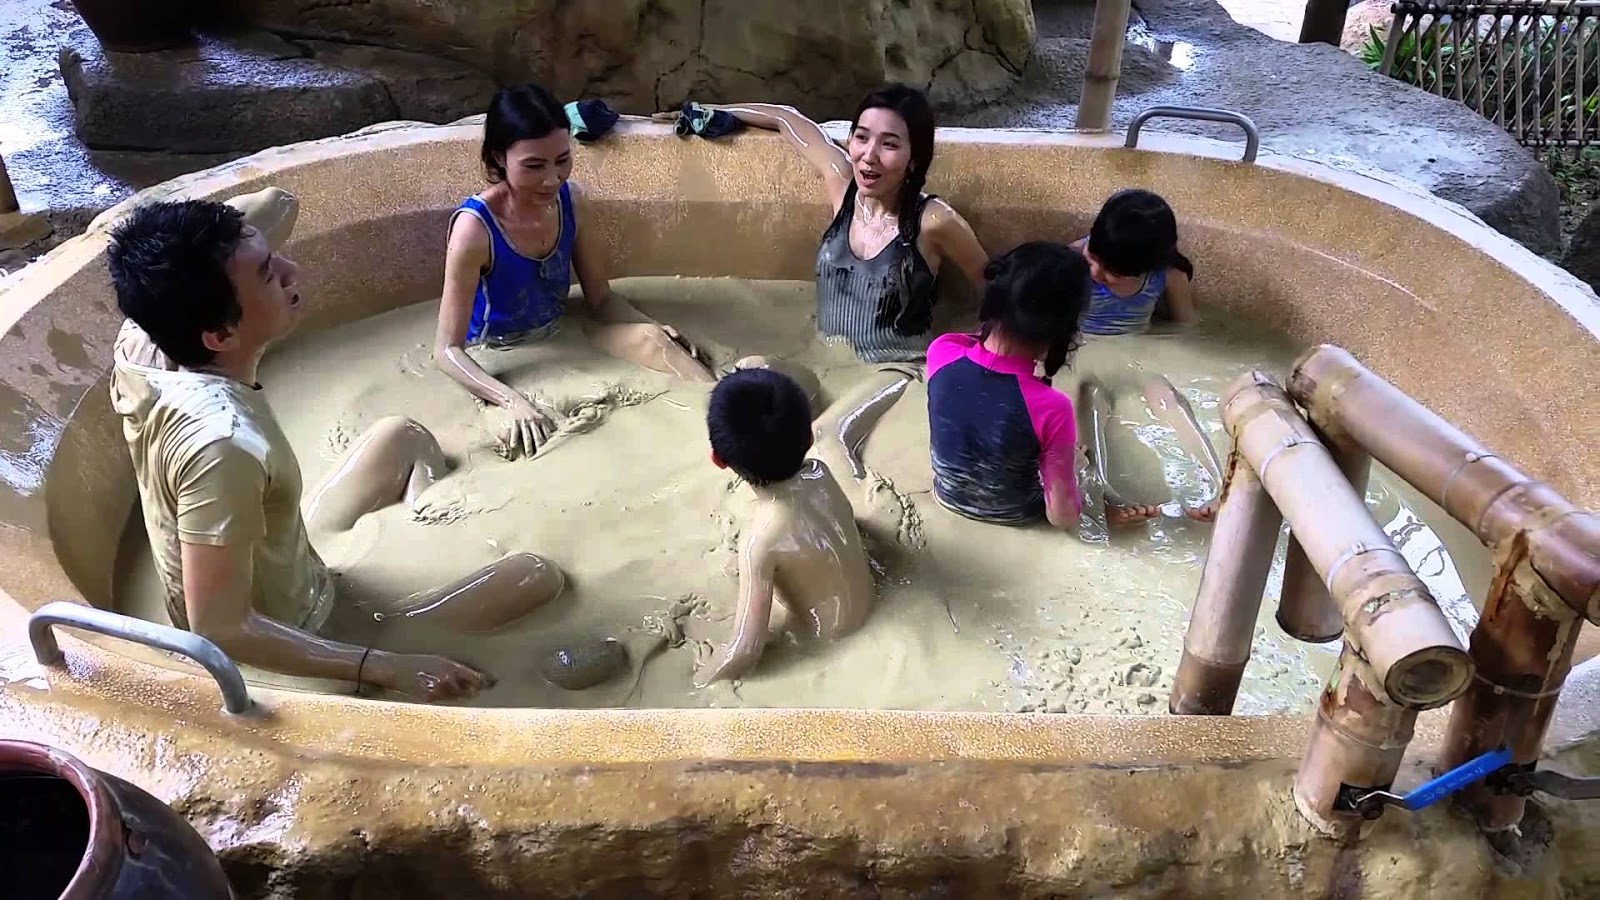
(801, 544)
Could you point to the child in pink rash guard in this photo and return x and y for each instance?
(1004, 442)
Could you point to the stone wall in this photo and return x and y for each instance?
(647, 55)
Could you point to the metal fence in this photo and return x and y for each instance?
(1532, 68)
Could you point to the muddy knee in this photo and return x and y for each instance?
(394, 460)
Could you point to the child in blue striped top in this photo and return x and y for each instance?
(1134, 264)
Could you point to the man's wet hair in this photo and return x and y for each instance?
(169, 266)
(760, 425)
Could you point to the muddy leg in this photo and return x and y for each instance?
(802, 376)
(1174, 409)
(1094, 417)
(492, 597)
(395, 460)
(843, 427)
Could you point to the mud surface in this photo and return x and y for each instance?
(969, 616)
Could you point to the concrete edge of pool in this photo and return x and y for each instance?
(158, 723)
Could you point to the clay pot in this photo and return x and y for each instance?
(137, 26)
(68, 832)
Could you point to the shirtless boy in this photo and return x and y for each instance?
(801, 541)
(206, 293)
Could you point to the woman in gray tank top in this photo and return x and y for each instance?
(886, 247)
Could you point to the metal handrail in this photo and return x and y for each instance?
(1252, 137)
(235, 696)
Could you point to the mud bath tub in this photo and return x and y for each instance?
(316, 794)
(969, 616)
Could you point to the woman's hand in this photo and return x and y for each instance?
(520, 428)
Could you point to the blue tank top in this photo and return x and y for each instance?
(519, 295)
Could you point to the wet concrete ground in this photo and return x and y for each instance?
(50, 169)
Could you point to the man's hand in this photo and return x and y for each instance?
(519, 429)
(427, 678)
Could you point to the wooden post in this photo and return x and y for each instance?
(1390, 617)
(1324, 22)
(1306, 611)
(8, 196)
(1356, 740)
(1217, 645)
(1105, 65)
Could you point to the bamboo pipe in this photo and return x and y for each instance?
(1389, 616)
(1306, 611)
(1104, 68)
(1356, 740)
(1483, 492)
(1217, 645)
(8, 195)
(1523, 657)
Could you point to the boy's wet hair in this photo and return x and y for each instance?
(1135, 234)
(518, 112)
(760, 425)
(169, 267)
(1037, 294)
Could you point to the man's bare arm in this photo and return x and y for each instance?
(739, 656)
(217, 589)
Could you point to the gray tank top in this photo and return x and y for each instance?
(884, 305)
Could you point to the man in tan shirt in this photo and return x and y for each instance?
(205, 293)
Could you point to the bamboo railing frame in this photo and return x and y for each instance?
(1547, 554)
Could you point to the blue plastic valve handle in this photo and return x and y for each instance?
(1431, 792)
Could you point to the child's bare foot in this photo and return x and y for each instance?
(1205, 513)
(1119, 514)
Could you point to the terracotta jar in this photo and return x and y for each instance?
(69, 832)
(137, 26)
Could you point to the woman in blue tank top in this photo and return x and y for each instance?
(887, 245)
(512, 252)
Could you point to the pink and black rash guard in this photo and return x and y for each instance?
(999, 434)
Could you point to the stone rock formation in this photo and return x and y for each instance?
(254, 90)
(1308, 100)
(1582, 257)
(1361, 20)
(645, 55)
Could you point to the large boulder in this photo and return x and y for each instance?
(251, 90)
(1308, 100)
(646, 55)
(1582, 256)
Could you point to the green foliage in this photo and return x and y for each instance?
(1497, 74)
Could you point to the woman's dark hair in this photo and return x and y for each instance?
(1036, 294)
(1136, 234)
(519, 112)
(912, 106)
